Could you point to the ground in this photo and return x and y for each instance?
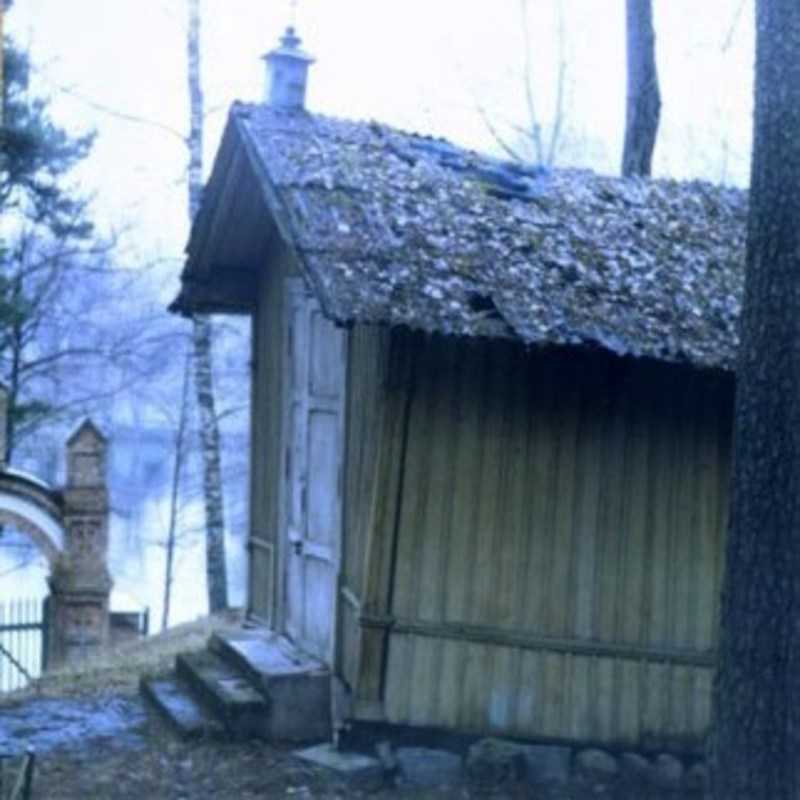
(95, 740)
(166, 768)
(107, 747)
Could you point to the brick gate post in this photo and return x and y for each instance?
(80, 584)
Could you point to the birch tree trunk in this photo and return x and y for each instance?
(216, 573)
(643, 107)
(757, 696)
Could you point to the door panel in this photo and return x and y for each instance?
(298, 346)
(320, 583)
(295, 469)
(312, 491)
(326, 358)
(295, 611)
(323, 476)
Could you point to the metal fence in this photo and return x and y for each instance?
(17, 786)
(23, 642)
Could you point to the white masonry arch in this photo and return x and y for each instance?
(70, 526)
(29, 506)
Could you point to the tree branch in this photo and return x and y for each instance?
(507, 148)
(561, 79)
(728, 40)
(536, 129)
(114, 112)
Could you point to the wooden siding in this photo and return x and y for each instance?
(366, 380)
(558, 545)
(265, 457)
(368, 373)
(546, 693)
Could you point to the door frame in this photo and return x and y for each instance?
(294, 289)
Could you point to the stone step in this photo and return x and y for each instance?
(226, 692)
(262, 655)
(298, 686)
(174, 702)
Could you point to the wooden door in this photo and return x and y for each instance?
(313, 469)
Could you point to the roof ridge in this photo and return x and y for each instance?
(244, 110)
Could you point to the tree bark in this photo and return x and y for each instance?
(202, 338)
(643, 107)
(757, 692)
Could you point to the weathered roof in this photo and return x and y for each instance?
(402, 229)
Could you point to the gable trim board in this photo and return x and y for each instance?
(532, 518)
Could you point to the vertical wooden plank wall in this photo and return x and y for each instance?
(367, 377)
(559, 545)
(267, 410)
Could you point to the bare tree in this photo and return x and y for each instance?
(535, 141)
(216, 573)
(63, 350)
(643, 107)
(757, 697)
(179, 457)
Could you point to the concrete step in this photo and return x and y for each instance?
(298, 686)
(262, 654)
(226, 692)
(174, 702)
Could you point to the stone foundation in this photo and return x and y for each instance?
(547, 772)
(578, 773)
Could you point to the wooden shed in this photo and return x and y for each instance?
(491, 424)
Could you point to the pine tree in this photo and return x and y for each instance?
(50, 232)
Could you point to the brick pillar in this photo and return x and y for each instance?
(80, 585)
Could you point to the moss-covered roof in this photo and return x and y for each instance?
(397, 228)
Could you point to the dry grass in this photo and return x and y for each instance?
(118, 669)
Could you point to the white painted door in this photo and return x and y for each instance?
(313, 472)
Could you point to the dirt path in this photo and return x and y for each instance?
(95, 740)
(52, 724)
(108, 747)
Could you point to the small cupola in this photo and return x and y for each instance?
(287, 73)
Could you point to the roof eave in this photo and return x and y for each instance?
(223, 260)
(227, 291)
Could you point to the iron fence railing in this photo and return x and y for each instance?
(16, 779)
(23, 642)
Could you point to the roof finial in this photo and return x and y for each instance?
(293, 13)
(287, 70)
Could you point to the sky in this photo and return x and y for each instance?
(427, 65)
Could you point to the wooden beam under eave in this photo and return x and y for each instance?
(227, 290)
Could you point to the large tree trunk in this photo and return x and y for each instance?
(643, 108)
(757, 735)
(216, 573)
